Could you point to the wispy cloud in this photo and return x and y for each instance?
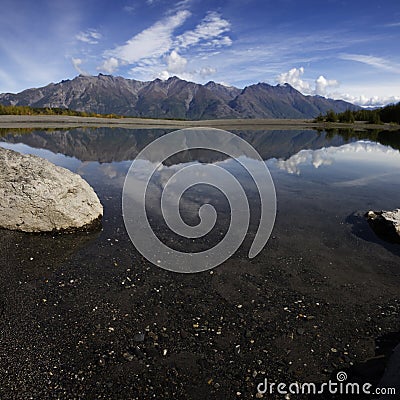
(154, 41)
(129, 8)
(210, 30)
(373, 61)
(392, 25)
(91, 36)
(158, 52)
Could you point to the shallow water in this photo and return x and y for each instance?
(321, 251)
(321, 179)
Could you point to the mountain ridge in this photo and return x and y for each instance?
(175, 98)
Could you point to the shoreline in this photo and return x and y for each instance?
(56, 122)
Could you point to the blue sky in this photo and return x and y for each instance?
(341, 49)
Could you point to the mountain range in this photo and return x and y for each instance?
(175, 98)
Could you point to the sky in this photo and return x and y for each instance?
(343, 49)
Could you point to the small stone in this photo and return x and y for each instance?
(300, 331)
(102, 362)
(153, 336)
(165, 351)
(259, 395)
(138, 337)
(138, 353)
(127, 356)
(333, 350)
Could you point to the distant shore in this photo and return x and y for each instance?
(60, 122)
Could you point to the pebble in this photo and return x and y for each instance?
(127, 356)
(138, 353)
(300, 331)
(138, 337)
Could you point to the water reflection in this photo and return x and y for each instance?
(318, 176)
(355, 152)
(106, 145)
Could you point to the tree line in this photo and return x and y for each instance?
(27, 110)
(387, 114)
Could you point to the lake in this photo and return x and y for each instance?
(322, 296)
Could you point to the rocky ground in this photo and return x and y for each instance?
(83, 316)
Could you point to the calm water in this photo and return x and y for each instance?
(324, 182)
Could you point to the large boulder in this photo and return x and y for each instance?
(386, 224)
(37, 196)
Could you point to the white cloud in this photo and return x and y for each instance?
(293, 78)
(322, 84)
(77, 62)
(175, 62)
(91, 36)
(176, 65)
(209, 31)
(206, 71)
(152, 42)
(365, 101)
(373, 61)
(110, 65)
(163, 75)
(323, 87)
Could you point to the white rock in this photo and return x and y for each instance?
(386, 223)
(37, 196)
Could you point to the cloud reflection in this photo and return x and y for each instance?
(327, 156)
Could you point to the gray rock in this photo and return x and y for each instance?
(386, 224)
(37, 196)
(138, 337)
